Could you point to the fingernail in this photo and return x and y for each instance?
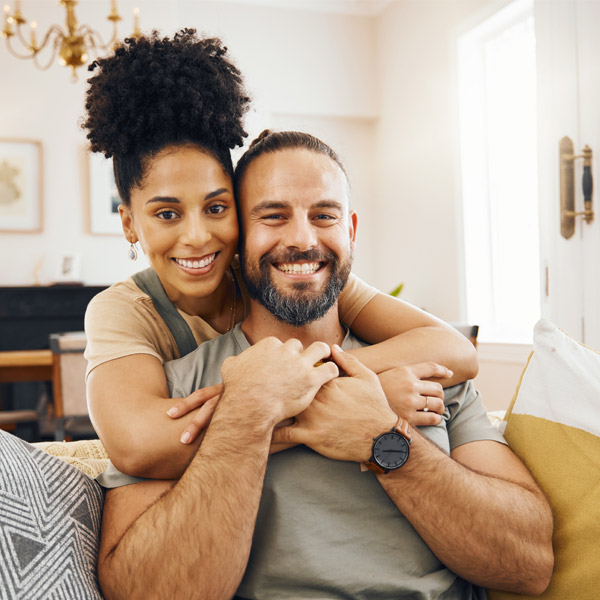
(337, 347)
(172, 411)
(185, 438)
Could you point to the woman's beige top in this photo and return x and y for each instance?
(122, 320)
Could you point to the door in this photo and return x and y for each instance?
(567, 51)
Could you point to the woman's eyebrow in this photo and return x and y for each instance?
(218, 192)
(171, 200)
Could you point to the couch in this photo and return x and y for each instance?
(50, 507)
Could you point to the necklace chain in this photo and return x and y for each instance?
(233, 303)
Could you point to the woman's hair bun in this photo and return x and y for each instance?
(153, 91)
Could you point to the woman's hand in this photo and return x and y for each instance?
(411, 396)
(207, 399)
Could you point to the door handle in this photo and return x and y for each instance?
(567, 186)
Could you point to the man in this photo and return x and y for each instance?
(428, 518)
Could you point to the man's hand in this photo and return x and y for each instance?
(344, 416)
(409, 392)
(276, 380)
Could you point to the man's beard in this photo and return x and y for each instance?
(302, 305)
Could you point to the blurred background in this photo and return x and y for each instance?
(447, 114)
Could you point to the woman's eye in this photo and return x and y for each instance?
(216, 209)
(167, 215)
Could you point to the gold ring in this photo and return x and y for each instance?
(426, 409)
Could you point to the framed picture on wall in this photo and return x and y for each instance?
(104, 198)
(20, 186)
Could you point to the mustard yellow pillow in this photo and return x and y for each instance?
(553, 425)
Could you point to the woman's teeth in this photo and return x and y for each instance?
(300, 268)
(196, 264)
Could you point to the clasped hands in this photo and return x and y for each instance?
(337, 416)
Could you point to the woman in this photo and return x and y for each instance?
(168, 112)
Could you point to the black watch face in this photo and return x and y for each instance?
(390, 450)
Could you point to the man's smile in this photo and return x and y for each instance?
(300, 268)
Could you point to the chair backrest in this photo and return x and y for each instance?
(469, 331)
(69, 374)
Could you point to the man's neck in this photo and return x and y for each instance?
(260, 323)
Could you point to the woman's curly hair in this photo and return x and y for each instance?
(153, 92)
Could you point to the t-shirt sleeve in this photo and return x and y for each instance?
(117, 325)
(468, 421)
(354, 297)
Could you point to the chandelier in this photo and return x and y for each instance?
(74, 44)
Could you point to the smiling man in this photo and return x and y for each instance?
(419, 520)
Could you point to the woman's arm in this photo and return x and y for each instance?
(128, 401)
(403, 334)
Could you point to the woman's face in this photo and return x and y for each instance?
(184, 217)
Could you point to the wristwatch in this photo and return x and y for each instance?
(390, 449)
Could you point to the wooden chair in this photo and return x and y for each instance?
(70, 402)
(24, 365)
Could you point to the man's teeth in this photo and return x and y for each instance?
(303, 268)
(196, 264)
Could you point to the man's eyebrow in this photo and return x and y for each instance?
(170, 200)
(269, 205)
(334, 204)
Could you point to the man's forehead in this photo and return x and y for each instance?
(297, 170)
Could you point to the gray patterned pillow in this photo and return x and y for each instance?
(50, 516)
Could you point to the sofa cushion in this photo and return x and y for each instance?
(50, 514)
(553, 425)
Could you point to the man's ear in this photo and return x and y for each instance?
(353, 224)
(127, 223)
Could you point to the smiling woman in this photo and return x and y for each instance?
(168, 111)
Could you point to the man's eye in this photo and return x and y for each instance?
(216, 209)
(325, 217)
(272, 217)
(166, 215)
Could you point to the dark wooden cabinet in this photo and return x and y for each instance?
(28, 315)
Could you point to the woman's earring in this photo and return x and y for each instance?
(133, 252)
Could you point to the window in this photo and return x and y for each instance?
(497, 87)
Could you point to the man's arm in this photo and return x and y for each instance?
(194, 540)
(479, 510)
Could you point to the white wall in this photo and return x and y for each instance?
(417, 147)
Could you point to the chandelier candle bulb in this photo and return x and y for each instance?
(7, 31)
(33, 42)
(136, 21)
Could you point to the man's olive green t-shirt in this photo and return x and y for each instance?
(327, 530)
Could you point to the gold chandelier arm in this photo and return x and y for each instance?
(93, 38)
(55, 46)
(54, 29)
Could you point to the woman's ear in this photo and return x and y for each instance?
(127, 223)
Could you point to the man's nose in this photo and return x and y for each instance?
(300, 234)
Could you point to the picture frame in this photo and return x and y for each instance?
(104, 202)
(21, 186)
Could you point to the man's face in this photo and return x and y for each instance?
(298, 233)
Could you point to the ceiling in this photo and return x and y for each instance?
(352, 7)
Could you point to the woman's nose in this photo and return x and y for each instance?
(195, 233)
